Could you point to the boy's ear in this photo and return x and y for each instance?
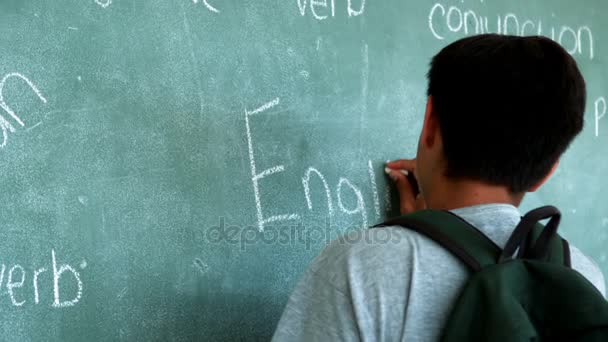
(542, 181)
(430, 127)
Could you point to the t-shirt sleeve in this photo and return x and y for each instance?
(317, 311)
(588, 268)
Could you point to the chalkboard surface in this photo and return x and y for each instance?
(169, 168)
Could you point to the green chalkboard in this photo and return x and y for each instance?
(169, 168)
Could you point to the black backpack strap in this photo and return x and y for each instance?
(534, 241)
(566, 253)
(559, 248)
(454, 234)
(476, 250)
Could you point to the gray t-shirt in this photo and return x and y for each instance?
(392, 284)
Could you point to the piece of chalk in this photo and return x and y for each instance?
(388, 170)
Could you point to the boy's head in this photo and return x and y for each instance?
(504, 109)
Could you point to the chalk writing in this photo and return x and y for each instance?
(353, 12)
(103, 3)
(360, 208)
(36, 274)
(5, 125)
(200, 265)
(16, 281)
(344, 188)
(306, 186)
(122, 293)
(57, 273)
(600, 112)
(10, 285)
(323, 9)
(372, 179)
(447, 21)
(209, 7)
(256, 177)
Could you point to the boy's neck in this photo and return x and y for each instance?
(448, 194)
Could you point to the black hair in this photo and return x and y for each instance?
(507, 107)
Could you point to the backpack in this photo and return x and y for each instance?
(524, 292)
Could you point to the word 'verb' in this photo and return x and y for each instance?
(322, 9)
(65, 281)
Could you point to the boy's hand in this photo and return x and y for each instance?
(408, 201)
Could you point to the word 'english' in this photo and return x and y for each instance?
(344, 185)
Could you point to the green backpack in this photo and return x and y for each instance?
(524, 292)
